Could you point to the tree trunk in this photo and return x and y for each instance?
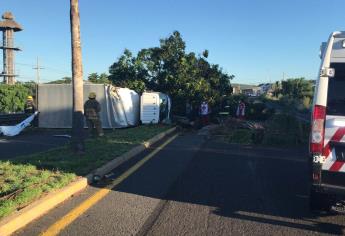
(77, 80)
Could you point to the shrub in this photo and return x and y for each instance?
(241, 136)
(285, 130)
(258, 111)
(13, 97)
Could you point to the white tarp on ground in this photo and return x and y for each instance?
(119, 106)
(16, 129)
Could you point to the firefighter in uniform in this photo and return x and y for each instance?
(30, 109)
(30, 106)
(91, 112)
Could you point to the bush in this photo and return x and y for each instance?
(258, 136)
(241, 136)
(258, 111)
(295, 104)
(285, 130)
(306, 102)
(13, 97)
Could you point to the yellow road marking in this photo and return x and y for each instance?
(67, 219)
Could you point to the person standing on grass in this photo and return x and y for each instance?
(241, 110)
(92, 109)
(204, 111)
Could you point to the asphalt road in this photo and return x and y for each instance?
(31, 141)
(200, 186)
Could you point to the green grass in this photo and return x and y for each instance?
(26, 178)
(285, 131)
(281, 130)
(22, 183)
(241, 136)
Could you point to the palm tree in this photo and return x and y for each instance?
(77, 80)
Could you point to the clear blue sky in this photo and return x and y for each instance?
(256, 40)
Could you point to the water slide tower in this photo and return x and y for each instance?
(8, 27)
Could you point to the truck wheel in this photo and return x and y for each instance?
(320, 202)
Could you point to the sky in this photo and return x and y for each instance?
(255, 40)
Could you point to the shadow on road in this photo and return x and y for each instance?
(257, 186)
(265, 186)
(31, 140)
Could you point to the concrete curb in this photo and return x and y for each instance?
(38, 208)
(100, 172)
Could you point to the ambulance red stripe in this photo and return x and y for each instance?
(336, 166)
(338, 135)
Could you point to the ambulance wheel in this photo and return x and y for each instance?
(320, 202)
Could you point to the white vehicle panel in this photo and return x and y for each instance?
(149, 113)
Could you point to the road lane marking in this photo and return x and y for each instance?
(67, 219)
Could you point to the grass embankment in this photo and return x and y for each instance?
(26, 178)
(281, 130)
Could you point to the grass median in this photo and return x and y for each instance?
(26, 178)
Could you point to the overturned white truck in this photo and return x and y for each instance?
(120, 107)
(155, 108)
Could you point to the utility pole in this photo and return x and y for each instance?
(77, 80)
(37, 68)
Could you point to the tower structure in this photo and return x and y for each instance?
(8, 27)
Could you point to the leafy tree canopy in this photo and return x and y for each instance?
(13, 97)
(295, 88)
(98, 79)
(64, 80)
(170, 69)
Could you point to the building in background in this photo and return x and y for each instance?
(265, 88)
(246, 89)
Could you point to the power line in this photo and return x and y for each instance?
(46, 67)
(37, 68)
(58, 70)
(39, 78)
(23, 64)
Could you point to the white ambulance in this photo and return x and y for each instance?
(327, 137)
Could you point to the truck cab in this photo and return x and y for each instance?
(327, 137)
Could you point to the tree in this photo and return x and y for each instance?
(31, 85)
(126, 73)
(170, 69)
(103, 79)
(63, 80)
(77, 80)
(297, 88)
(205, 53)
(276, 88)
(98, 79)
(93, 77)
(13, 97)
